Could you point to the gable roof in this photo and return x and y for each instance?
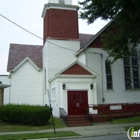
(19, 52)
(23, 61)
(74, 70)
(93, 38)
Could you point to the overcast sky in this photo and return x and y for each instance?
(27, 14)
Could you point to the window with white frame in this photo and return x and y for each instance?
(109, 82)
(61, 1)
(53, 97)
(132, 70)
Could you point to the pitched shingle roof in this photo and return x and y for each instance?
(19, 52)
(84, 39)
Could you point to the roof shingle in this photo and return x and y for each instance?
(84, 39)
(18, 52)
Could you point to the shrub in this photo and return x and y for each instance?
(25, 114)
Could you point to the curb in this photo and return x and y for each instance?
(76, 137)
(57, 138)
(60, 138)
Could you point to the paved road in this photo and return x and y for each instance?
(109, 137)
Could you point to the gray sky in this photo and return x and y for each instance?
(27, 14)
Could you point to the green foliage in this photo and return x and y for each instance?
(125, 29)
(25, 114)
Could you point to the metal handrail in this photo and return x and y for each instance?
(63, 115)
(88, 114)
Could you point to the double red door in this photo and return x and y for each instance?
(77, 102)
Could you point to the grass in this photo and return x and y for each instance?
(13, 128)
(126, 120)
(136, 128)
(38, 135)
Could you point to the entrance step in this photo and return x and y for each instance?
(78, 120)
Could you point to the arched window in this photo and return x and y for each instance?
(109, 83)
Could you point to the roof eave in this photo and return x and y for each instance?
(22, 62)
(78, 52)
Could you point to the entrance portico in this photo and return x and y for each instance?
(73, 89)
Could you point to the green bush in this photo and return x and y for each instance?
(25, 114)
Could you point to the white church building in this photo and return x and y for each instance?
(70, 70)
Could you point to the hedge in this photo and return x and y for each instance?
(25, 114)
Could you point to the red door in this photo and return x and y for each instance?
(77, 102)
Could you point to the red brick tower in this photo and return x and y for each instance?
(60, 20)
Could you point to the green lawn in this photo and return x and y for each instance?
(126, 120)
(38, 135)
(12, 128)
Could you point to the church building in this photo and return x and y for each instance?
(71, 70)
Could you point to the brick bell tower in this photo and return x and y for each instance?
(60, 20)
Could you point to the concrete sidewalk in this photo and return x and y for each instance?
(85, 131)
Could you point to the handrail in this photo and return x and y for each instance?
(89, 114)
(63, 114)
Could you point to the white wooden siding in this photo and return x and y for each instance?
(27, 85)
(118, 94)
(56, 58)
(82, 58)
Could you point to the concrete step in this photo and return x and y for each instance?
(77, 120)
(79, 124)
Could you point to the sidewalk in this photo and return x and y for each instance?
(85, 131)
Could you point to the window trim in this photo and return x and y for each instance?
(131, 65)
(107, 61)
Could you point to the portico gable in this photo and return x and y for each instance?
(73, 87)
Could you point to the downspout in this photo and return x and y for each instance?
(103, 97)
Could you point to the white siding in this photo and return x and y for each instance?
(94, 61)
(55, 102)
(56, 58)
(82, 58)
(118, 94)
(27, 85)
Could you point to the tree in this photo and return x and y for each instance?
(125, 28)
